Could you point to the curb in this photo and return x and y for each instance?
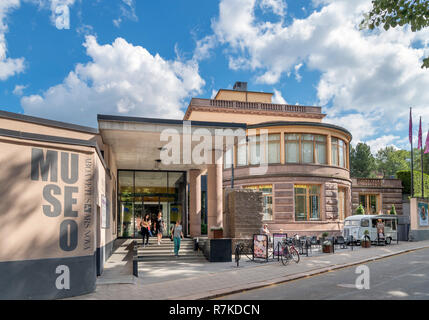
(223, 292)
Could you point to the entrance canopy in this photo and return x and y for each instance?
(142, 143)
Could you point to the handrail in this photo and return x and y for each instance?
(241, 105)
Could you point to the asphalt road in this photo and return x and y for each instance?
(405, 276)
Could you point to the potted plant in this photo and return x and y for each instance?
(366, 241)
(327, 246)
(217, 232)
(360, 209)
(393, 210)
(323, 237)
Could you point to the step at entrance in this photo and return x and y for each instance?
(165, 251)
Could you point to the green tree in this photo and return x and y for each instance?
(393, 13)
(389, 161)
(362, 161)
(417, 161)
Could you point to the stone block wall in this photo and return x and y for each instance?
(243, 212)
(331, 201)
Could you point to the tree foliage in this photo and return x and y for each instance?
(393, 13)
(389, 161)
(362, 161)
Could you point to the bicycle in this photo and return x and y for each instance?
(288, 252)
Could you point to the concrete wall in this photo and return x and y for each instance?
(242, 214)
(50, 216)
(244, 96)
(46, 220)
(418, 231)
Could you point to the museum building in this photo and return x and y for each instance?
(68, 191)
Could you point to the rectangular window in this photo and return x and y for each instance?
(334, 151)
(274, 148)
(227, 159)
(307, 148)
(370, 203)
(307, 202)
(255, 150)
(338, 152)
(320, 154)
(341, 153)
(292, 148)
(267, 192)
(242, 152)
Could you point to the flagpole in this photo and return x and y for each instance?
(421, 158)
(412, 160)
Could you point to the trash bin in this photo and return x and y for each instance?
(195, 244)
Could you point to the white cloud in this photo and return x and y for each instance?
(278, 98)
(298, 77)
(8, 66)
(203, 47)
(382, 142)
(371, 75)
(120, 79)
(278, 7)
(127, 10)
(359, 126)
(19, 90)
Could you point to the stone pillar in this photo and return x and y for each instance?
(195, 202)
(214, 193)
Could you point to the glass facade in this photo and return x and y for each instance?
(298, 148)
(305, 148)
(141, 192)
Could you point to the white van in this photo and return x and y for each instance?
(357, 224)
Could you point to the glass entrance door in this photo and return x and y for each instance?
(150, 192)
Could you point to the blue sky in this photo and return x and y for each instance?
(148, 58)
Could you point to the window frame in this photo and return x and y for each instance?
(336, 145)
(300, 140)
(308, 195)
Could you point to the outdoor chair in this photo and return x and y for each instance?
(341, 242)
(313, 241)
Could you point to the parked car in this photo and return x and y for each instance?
(357, 224)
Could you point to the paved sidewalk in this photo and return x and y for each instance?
(188, 281)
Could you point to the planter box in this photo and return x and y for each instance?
(327, 249)
(366, 244)
(217, 234)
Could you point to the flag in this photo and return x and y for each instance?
(419, 145)
(427, 143)
(410, 129)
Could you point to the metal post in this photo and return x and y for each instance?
(351, 242)
(421, 161)
(412, 160)
(232, 167)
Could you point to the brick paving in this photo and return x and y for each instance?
(178, 279)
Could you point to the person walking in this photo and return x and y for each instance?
(177, 234)
(159, 227)
(145, 228)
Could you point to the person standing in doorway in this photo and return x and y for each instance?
(145, 225)
(159, 227)
(177, 234)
